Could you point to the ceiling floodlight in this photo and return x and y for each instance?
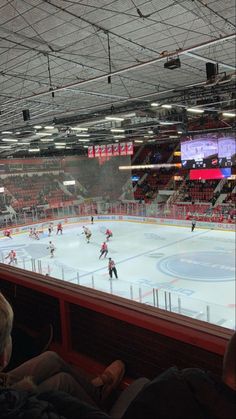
(49, 127)
(229, 114)
(117, 130)
(138, 141)
(82, 135)
(114, 118)
(83, 140)
(9, 140)
(195, 110)
(6, 132)
(155, 104)
(46, 140)
(38, 127)
(79, 129)
(34, 150)
(166, 106)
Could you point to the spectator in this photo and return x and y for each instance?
(189, 394)
(49, 372)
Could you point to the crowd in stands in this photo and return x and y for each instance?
(46, 387)
(27, 191)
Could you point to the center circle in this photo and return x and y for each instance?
(213, 266)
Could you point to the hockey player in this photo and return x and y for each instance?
(7, 233)
(92, 219)
(59, 228)
(103, 250)
(52, 248)
(35, 234)
(49, 230)
(31, 233)
(193, 225)
(12, 257)
(87, 233)
(108, 234)
(112, 268)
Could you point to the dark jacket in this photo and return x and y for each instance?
(15, 404)
(187, 394)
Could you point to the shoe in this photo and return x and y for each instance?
(110, 379)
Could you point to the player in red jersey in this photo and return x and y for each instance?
(103, 250)
(59, 228)
(108, 234)
(12, 257)
(7, 233)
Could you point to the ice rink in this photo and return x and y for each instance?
(198, 268)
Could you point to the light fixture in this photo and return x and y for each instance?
(5, 147)
(114, 118)
(9, 140)
(43, 134)
(60, 144)
(166, 106)
(229, 114)
(119, 136)
(117, 130)
(79, 129)
(138, 141)
(6, 132)
(49, 127)
(37, 127)
(155, 104)
(34, 150)
(46, 140)
(83, 140)
(195, 110)
(179, 132)
(150, 132)
(85, 146)
(82, 135)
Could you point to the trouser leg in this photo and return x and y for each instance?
(48, 365)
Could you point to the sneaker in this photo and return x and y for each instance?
(110, 379)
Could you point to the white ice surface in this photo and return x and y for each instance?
(197, 268)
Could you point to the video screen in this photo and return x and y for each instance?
(227, 150)
(208, 150)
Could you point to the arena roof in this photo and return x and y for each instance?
(71, 63)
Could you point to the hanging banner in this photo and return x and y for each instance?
(97, 150)
(116, 150)
(90, 152)
(103, 150)
(129, 148)
(122, 149)
(109, 150)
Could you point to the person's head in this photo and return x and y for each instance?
(50, 242)
(109, 258)
(229, 363)
(6, 321)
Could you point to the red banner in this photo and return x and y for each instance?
(103, 149)
(129, 148)
(90, 152)
(116, 150)
(97, 150)
(110, 150)
(122, 149)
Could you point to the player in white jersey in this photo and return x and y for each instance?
(87, 233)
(51, 248)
